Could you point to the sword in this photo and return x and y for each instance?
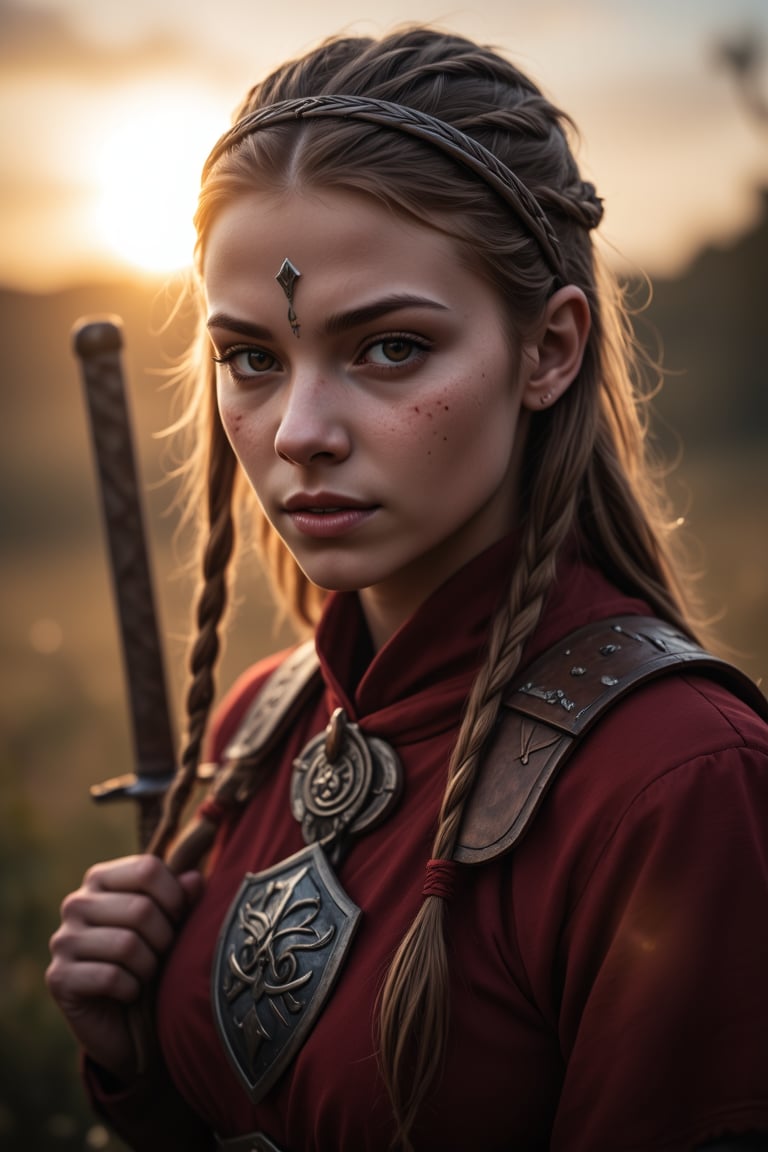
(97, 342)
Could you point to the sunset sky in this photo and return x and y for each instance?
(108, 108)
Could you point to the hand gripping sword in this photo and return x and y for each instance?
(97, 342)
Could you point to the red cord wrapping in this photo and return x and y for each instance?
(440, 879)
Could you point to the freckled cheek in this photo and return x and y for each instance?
(231, 419)
(244, 430)
(440, 423)
(409, 434)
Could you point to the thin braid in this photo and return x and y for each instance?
(414, 1002)
(212, 603)
(232, 788)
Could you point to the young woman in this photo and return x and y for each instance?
(420, 925)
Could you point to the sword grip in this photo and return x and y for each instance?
(98, 343)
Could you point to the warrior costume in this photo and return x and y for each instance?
(608, 987)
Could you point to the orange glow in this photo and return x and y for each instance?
(146, 173)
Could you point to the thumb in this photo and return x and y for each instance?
(192, 884)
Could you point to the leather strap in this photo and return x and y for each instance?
(277, 705)
(558, 700)
(544, 714)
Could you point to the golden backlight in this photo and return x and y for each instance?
(147, 172)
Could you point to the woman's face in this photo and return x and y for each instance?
(383, 438)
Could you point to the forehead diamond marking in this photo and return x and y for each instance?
(287, 277)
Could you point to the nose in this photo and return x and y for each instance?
(312, 424)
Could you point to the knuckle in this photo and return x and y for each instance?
(94, 874)
(123, 986)
(138, 905)
(53, 979)
(148, 869)
(55, 940)
(130, 951)
(150, 923)
(60, 943)
(115, 983)
(72, 905)
(140, 911)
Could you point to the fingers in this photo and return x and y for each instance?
(117, 925)
(82, 982)
(114, 930)
(192, 883)
(114, 947)
(140, 875)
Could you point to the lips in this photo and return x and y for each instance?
(316, 511)
(326, 515)
(320, 503)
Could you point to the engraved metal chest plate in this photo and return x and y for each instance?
(279, 953)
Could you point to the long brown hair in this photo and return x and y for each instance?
(586, 470)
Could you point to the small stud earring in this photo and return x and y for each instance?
(545, 399)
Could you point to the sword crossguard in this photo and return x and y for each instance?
(130, 787)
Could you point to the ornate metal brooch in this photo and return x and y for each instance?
(344, 783)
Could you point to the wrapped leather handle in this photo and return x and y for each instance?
(98, 343)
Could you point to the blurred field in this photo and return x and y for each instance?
(62, 716)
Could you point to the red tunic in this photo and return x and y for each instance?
(609, 977)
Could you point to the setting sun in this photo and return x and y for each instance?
(147, 171)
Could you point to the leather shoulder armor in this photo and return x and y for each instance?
(544, 713)
(277, 704)
(560, 697)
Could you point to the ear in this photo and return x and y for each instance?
(552, 355)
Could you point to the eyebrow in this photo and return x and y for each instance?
(343, 321)
(338, 321)
(243, 327)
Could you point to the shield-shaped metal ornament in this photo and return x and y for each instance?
(279, 953)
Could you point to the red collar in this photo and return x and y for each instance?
(427, 666)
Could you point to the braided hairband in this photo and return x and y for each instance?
(442, 136)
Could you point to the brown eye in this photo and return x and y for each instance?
(253, 361)
(393, 351)
(397, 350)
(246, 363)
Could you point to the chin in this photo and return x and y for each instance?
(332, 579)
